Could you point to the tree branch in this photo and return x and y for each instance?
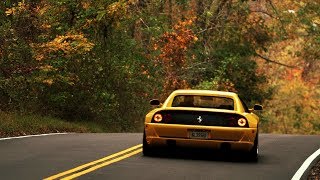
(275, 62)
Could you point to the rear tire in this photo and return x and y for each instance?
(146, 149)
(253, 154)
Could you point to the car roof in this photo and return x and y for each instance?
(203, 92)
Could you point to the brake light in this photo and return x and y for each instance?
(162, 117)
(157, 117)
(242, 122)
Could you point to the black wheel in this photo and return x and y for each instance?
(146, 149)
(253, 154)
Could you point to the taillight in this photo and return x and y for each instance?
(162, 117)
(157, 117)
(236, 121)
(242, 122)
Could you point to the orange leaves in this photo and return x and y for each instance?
(21, 7)
(63, 47)
(173, 47)
(117, 9)
(294, 109)
(47, 68)
(69, 44)
(10, 11)
(86, 4)
(183, 24)
(49, 82)
(293, 74)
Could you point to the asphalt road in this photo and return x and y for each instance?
(41, 157)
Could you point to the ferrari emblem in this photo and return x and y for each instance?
(199, 119)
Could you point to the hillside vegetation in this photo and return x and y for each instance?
(100, 61)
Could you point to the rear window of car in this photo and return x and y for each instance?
(203, 102)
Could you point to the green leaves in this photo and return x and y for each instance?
(103, 60)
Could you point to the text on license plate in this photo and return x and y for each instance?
(199, 134)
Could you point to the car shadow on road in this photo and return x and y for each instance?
(205, 154)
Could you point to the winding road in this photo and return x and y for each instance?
(56, 156)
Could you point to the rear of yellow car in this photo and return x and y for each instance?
(201, 127)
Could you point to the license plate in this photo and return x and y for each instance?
(196, 134)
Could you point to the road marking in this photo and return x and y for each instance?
(305, 165)
(20, 137)
(102, 165)
(105, 161)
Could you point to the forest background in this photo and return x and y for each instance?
(93, 65)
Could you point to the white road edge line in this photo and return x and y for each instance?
(19, 137)
(305, 165)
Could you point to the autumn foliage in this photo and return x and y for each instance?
(101, 61)
(173, 58)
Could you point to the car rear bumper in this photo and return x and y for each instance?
(168, 134)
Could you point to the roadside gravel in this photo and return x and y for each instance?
(315, 172)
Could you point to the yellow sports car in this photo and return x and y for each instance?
(202, 118)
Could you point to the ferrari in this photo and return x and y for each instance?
(202, 119)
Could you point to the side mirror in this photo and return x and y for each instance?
(155, 102)
(257, 107)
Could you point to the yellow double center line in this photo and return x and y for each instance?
(94, 165)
